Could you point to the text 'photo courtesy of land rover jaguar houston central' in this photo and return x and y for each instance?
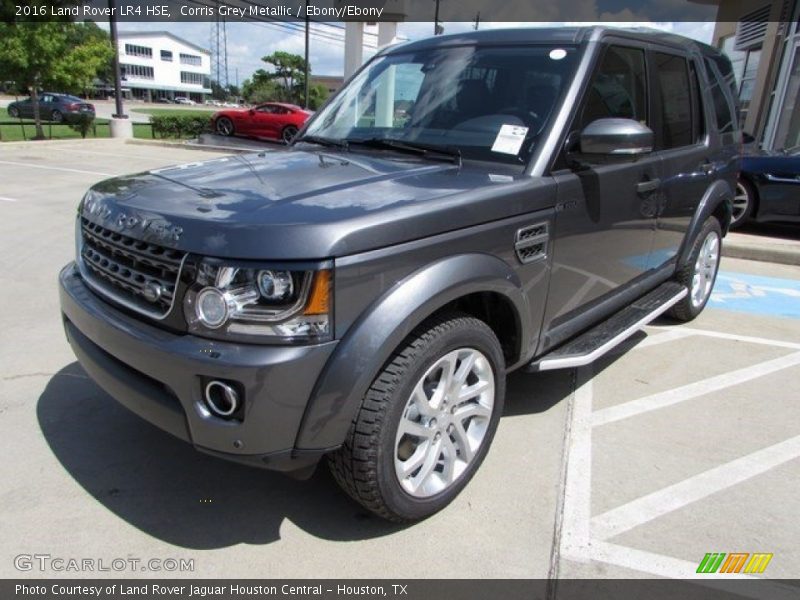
(464, 206)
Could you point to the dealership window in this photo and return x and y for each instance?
(136, 71)
(745, 69)
(166, 55)
(193, 78)
(142, 51)
(191, 59)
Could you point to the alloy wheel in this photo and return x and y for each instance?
(444, 422)
(741, 203)
(289, 133)
(705, 269)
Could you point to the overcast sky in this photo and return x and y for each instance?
(249, 41)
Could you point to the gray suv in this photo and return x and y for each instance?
(466, 206)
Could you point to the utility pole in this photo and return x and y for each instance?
(477, 21)
(437, 29)
(308, 71)
(120, 114)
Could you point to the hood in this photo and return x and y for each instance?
(297, 204)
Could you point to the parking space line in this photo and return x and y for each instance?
(675, 568)
(692, 390)
(676, 333)
(738, 338)
(577, 478)
(702, 485)
(65, 169)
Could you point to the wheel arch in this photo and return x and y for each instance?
(716, 202)
(481, 285)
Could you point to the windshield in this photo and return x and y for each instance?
(486, 103)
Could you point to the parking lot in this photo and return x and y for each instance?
(685, 441)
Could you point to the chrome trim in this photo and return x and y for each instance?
(585, 359)
(777, 179)
(101, 289)
(230, 395)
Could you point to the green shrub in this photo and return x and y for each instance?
(83, 124)
(178, 126)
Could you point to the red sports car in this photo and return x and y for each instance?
(273, 120)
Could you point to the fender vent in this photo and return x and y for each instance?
(530, 243)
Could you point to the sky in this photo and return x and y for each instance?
(249, 41)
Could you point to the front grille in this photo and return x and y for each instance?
(135, 273)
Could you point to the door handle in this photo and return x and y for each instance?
(650, 185)
(708, 167)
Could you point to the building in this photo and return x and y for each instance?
(762, 39)
(332, 83)
(159, 64)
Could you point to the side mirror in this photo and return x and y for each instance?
(616, 137)
(252, 111)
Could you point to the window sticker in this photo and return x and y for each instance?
(509, 139)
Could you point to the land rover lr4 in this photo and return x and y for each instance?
(465, 206)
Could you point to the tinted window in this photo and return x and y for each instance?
(618, 87)
(698, 122)
(672, 75)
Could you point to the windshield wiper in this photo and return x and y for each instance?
(410, 147)
(324, 141)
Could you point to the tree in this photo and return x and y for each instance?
(317, 94)
(289, 70)
(60, 55)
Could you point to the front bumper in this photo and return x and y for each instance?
(158, 375)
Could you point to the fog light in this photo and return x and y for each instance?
(211, 307)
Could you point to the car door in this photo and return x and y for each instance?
(263, 121)
(46, 103)
(606, 209)
(682, 143)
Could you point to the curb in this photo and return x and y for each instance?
(788, 254)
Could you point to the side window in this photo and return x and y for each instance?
(698, 112)
(618, 87)
(672, 76)
(723, 111)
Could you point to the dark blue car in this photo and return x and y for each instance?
(57, 108)
(768, 188)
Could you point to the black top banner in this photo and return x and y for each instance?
(577, 11)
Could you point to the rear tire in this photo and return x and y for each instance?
(426, 422)
(56, 116)
(699, 273)
(743, 203)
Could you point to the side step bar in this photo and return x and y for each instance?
(594, 343)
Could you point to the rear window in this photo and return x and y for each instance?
(674, 85)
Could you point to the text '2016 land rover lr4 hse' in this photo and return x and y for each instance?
(465, 206)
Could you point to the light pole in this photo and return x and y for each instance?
(120, 125)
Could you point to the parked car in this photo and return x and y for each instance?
(361, 297)
(272, 120)
(57, 108)
(768, 188)
(163, 100)
(184, 100)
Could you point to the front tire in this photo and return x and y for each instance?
(56, 116)
(224, 126)
(426, 422)
(13, 112)
(288, 133)
(700, 271)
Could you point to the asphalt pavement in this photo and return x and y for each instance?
(683, 442)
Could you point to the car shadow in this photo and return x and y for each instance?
(162, 486)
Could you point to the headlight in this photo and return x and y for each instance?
(251, 303)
